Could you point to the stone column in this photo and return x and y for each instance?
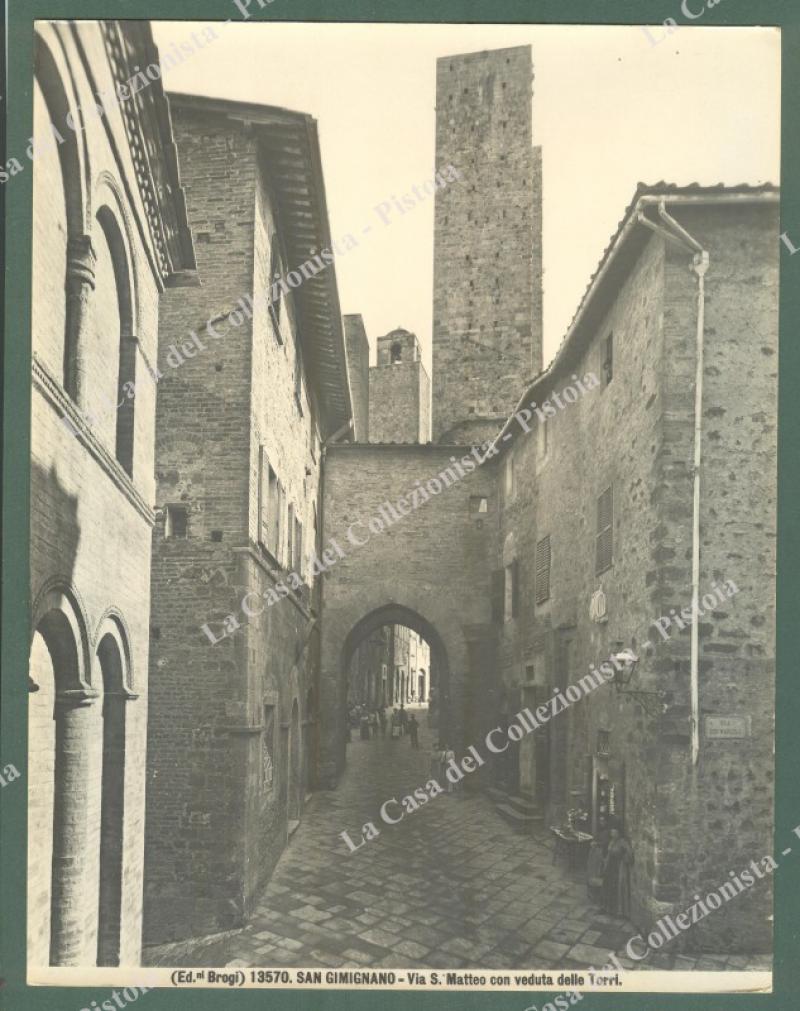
(71, 938)
(79, 282)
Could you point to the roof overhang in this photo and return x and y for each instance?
(621, 253)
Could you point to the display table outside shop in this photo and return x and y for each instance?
(572, 846)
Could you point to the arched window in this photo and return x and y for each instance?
(114, 325)
(57, 217)
(111, 656)
(59, 747)
(397, 353)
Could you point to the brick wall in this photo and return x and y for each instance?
(218, 807)
(487, 241)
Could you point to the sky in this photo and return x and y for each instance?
(610, 109)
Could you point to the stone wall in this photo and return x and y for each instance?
(431, 564)
(399, 398)
(358, 367)
(687, 824)
(487, 303)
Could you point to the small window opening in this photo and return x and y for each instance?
(177, 521)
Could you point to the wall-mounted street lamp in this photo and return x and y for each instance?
(626, 662)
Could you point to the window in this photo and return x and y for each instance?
(603, 747)
(284, 538)
(298, 376)
(275, 287)
(605, 531)
(273, 514)
(511, 591)
(297, 563)
(543, 570)
(125, 412)
(396, 353)
(497, 592)
(608, 359)
(509, 481)
(478, 505)
(176, 522)
(264, 471)
(268, 746)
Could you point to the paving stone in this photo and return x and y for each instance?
(550, 952)
(588, 954)
(453, 887)
(382, 938)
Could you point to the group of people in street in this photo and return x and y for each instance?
(404, 724)
(371, 722)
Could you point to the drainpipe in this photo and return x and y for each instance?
(700, 265)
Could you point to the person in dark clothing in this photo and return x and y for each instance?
(403, 719)
(382, 720)
(617, 875)
(413, 730)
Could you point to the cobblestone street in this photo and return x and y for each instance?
(452, 885)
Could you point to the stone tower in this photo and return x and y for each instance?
(358, 368)
(487, 290)
(399, 391)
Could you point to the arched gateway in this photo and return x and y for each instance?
(398, 614)
(424, 566)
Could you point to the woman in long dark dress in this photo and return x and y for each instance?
(617, 875)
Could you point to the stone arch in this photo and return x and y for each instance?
(60, 106)
(113, 658)
(61, 262)
(398, 614)
(59, 742)
(59, 616)
(112, 623)
(109, 201)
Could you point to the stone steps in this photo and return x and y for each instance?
(519, 810)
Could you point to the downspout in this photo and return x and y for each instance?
(332, 776)
(700, 266)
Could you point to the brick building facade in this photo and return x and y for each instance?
(109, 232)
(234, 711)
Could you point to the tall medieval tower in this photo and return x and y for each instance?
(487, 288)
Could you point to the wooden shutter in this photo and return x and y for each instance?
(298, 547)
(263, 497)
(290, 537)
(280, 528)
(605, 531)
(498, 593)
(543, 570)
